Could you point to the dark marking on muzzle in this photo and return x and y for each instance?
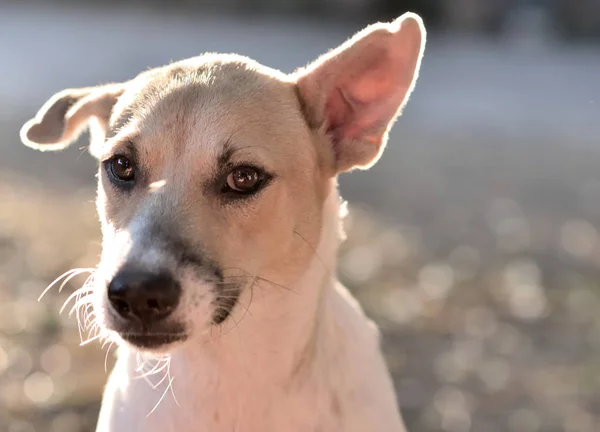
(166, 237)
(227, 292)
(227, 296)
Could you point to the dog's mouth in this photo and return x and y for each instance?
(141, 306)
(158, 335)
(147, 340)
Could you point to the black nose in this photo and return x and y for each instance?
(144, 296)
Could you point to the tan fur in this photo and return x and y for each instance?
(301, 355)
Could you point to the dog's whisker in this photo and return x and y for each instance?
(170, 385)
(89, 340)
(226, 277)
(79, 305)
(233, 280)
(124, 333)
(164, 367)
(162, 397)
(84, 318)
(277, 285)
(147, 374)
(141, 361)
(80, 329)
(162, 363)
(246, 311)
(82, 308)
(104, 343)
(314, 250)
(83, 290)
(68, 274)
(83, 302)
(112, 343)
(145, 378)
(88, 317)
(260, 278)
(94, 329)
(156, 369)
(66, 281)
(227, 297)
(227, 288)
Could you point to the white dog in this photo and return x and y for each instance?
(220, 217)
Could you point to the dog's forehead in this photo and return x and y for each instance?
(205, 102)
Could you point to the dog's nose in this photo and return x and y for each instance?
(148, 297)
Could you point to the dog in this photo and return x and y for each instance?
(220, 217)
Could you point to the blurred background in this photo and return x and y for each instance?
(474, 242)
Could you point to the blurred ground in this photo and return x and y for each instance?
(474, 242)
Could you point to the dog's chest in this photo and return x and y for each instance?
(234, 405)
(253, 410)
(312, 409)
(263, 414)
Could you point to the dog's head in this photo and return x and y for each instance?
(214, 173)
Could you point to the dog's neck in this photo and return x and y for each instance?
(276, 338)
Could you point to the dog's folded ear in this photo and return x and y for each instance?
(355, 92)
(63, 117)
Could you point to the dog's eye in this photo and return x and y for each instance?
(121, 168)
(245, 180)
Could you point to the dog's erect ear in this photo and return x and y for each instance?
(355, 92)
(61, 120)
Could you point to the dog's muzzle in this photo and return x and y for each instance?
(144, 300)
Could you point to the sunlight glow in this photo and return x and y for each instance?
(153, 187)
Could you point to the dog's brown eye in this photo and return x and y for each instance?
(121, 168)
(244, 179)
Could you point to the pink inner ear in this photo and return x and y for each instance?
(366, 81)
(338, 112)
(366, 99)
(357, 90)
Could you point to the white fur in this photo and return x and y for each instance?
(246, 380)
